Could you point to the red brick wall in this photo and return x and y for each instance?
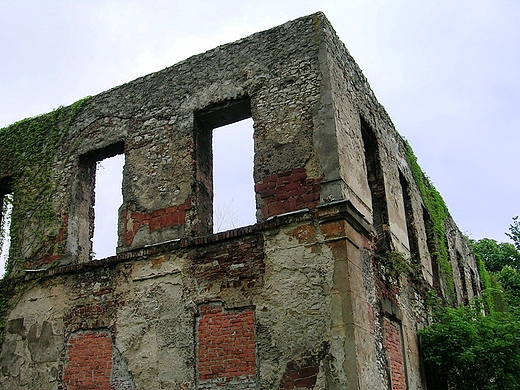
(288, 191)
(88, 362)
(299, 378)
(394, 350)
(155, 220)
(230, 262)
(226, 348)
(303, 373)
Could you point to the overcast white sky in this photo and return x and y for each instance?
(448, 72)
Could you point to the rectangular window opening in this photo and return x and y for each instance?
(431, 243)
(108, 200)
(225, 152)
(6, 209)
(413, 242)
(233, 186)
(377, 188)
(95, 213)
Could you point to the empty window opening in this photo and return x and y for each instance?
(233, 186)
(225, 150)
(377, 188)
(108, 199)
(99, 197)
(431, 242)
(410, 222)
(6, 209)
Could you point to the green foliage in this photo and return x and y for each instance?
(397, 264)
(514, 232)
(471, 351)
(485, 277)
(496, 255)
(510, 280)
(494, 299)
(478, 347)
(492, 293)
(438, 213)
(3, 307)
(499, 269)
(30, 148)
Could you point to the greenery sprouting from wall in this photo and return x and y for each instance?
(438, 213)
(29, 149)
(478, 346)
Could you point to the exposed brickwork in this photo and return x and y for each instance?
(385, 289)
(303, 373)
(155, 220)
(231, 262)
(394, 348)
(299, 378)
(226, 348)
(319, 279)
(89, 361)
(288, 191)
(89, 317)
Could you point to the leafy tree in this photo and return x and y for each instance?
(502, 260)
(472, 351)
(510, 280)
(478, 347)
(496, 255)
(514, 232)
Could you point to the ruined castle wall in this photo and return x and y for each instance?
(355, 108)
(356, 111)
(326, 291)
(146, 312)
(154, 122)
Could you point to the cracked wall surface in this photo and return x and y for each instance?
(325, 291)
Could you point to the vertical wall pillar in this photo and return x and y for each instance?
(353, 340)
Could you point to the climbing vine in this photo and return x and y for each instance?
(438, 213)
(29, 149)
(397, 264)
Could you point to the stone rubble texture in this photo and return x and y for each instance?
(304, 288)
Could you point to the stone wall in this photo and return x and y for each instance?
(325, 291)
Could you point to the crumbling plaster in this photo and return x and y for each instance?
(309, 270)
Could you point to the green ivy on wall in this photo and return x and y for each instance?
(29, 149)
(438, 213)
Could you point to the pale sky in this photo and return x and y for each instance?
(447, 72)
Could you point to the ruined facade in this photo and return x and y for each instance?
(325, 291)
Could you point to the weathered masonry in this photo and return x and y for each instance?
(325, 291)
